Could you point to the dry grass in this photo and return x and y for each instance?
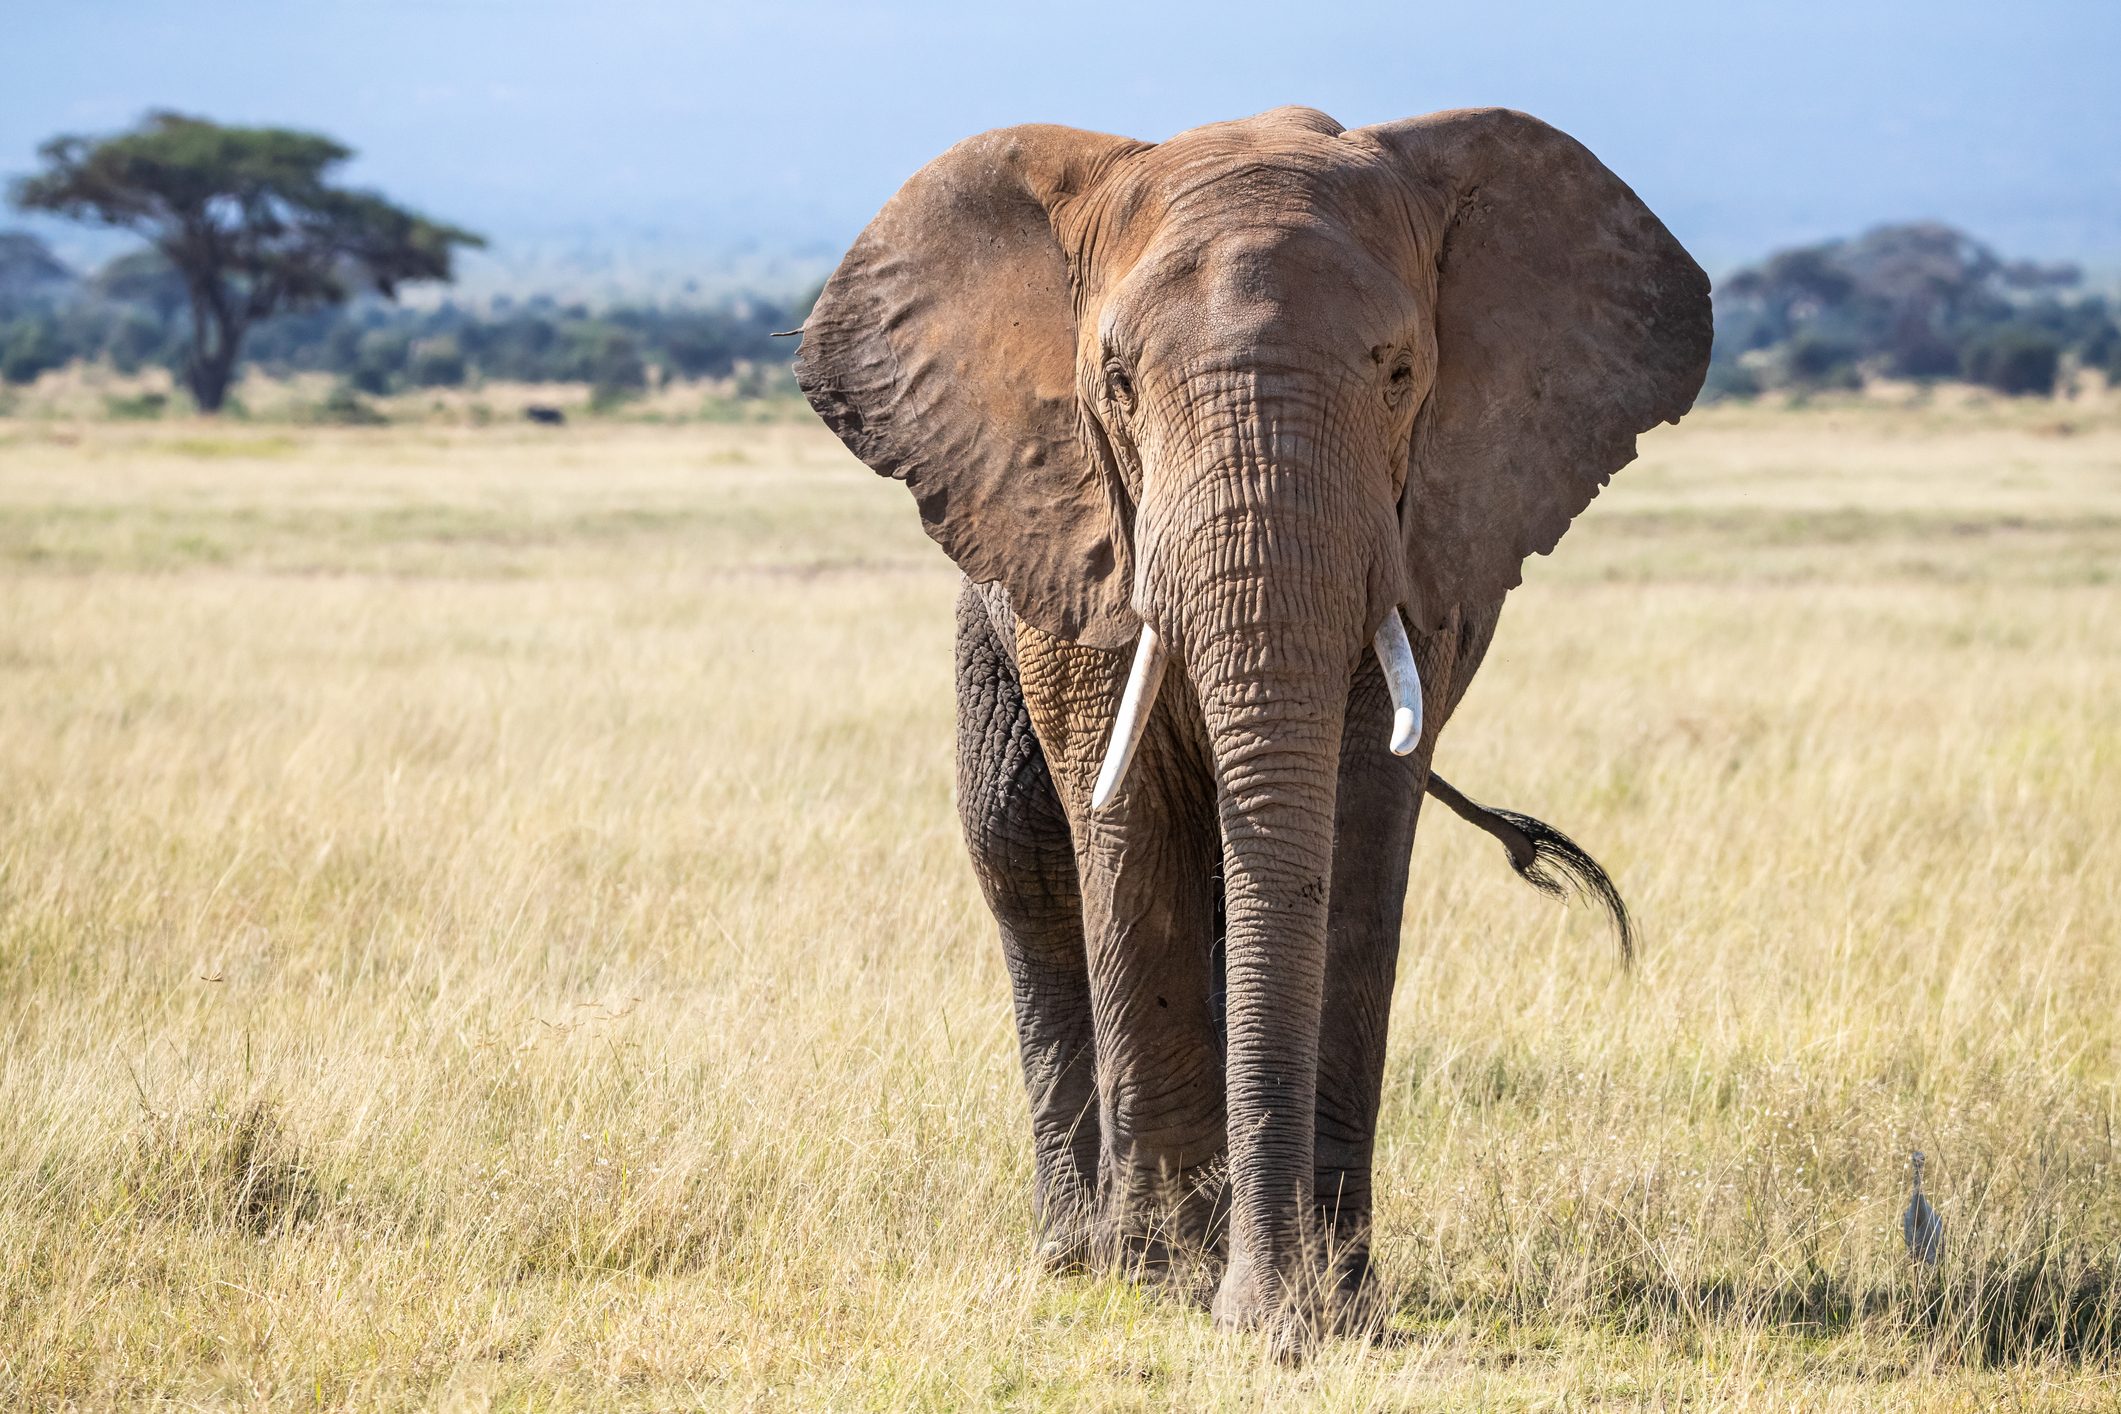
(98, 392)
(460, 946)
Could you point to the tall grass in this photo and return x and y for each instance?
(481, 922)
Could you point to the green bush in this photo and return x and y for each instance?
(142, 407)
(617, 372)
(380, 359)
(28, 349)
(436, 363)
(345, 407)
(1820, 361)
(2016, 360)
(1729, 378)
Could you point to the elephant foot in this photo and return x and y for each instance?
(1065, 1255)
(1252, 1299)
(1187, 1271)
(1067, 1230)
(1344, 1299)
(1069, 1240)
(1357, 1304)
(1189, 1276)
(1353, 1298)
(1166, 1230)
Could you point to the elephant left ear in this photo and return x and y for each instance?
(1568, 320)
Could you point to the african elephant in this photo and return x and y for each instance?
(1239, 440)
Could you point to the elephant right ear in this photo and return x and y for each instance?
(942, 352)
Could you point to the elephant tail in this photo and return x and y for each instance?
(1545, 858)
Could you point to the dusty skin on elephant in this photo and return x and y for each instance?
(1240, 439)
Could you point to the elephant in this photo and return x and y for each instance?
(1239, 440)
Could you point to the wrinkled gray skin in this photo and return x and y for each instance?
(1254, 386)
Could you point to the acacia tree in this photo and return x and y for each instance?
(247, 218)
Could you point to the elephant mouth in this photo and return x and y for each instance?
(1395, 655)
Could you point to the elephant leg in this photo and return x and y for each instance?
(1147, 865)
(1379, 799)
(1150, 921)
(1021, 850)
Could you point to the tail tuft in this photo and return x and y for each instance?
(1546, 859)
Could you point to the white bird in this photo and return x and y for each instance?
(1920, 1225)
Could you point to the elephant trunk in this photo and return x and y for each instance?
(1270, 587)
(1274, 729)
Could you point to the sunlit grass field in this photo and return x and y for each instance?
(482, 924)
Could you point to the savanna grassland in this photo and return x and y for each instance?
(482, 925)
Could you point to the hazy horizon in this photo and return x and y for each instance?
(664, 137)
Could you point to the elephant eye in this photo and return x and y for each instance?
(1118, 385)
(1400, 382)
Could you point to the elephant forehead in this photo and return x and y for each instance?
(1240, 222)
(1291, 286)
(1257, 170)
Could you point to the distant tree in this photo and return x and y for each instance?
(247, 218)
(1922, 264)
(2032, 275)
(1916, 300)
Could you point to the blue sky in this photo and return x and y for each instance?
(783, 126)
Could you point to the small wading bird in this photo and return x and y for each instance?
(1920, 1225)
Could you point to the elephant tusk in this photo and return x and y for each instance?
(1134, 706)
(1396, 656)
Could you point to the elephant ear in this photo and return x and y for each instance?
(1568, 319)
(942, 352)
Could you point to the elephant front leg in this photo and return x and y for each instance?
(1149, 913)
(1147, 870)
(1379, 799)
(1023, 854)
